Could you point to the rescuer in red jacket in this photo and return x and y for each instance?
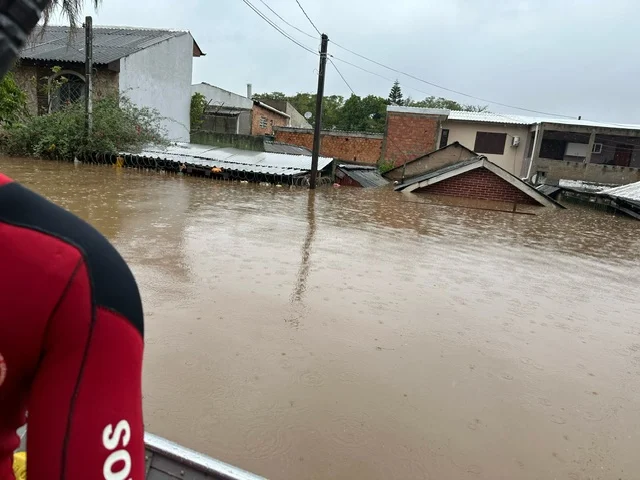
(71, 343)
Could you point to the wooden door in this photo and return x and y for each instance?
(623, 154)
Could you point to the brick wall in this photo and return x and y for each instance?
(273, 120)
(481, 184)
(347, 146)
(409, 136)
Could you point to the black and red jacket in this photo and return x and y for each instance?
(71, 343)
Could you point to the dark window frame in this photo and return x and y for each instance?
(492, 143)
(444, 138)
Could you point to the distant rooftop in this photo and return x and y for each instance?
(505, 118)
(59, 43)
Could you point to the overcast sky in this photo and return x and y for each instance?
(573, 57)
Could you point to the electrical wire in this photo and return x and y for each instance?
(341, 76)
(308, 18)
(457, 92)
(290, 24)
(277, 28)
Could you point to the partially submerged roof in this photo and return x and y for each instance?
(465, 166)
(278, 147)
(60, 44)
(235, 159)
(427, 155)
(365, 175)
(625, 192)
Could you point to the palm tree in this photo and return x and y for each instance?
(71, 9)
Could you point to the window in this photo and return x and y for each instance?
(263, 122)
(444, 138)
(65, 88)
(487, 142)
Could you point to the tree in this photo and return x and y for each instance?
(441, 102)
(13, 101)
(199, 105)
(395, 95)
(72, 9)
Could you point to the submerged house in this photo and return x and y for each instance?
(451, 153)
(353, 175)
(477, 178)
(152, 67)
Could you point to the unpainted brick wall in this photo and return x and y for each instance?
(360, 148)
(409, 136)
(273, 120)
(481, 184)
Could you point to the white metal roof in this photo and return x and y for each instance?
(234, 159)
(507, 118)
(629, 192)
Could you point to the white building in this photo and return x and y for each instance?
(152, 67)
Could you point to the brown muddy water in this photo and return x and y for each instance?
(354, 335)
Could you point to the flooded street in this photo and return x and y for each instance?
(354, 334)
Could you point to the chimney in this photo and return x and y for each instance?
(249, 91)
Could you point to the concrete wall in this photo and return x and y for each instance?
(347, 146)
(220, 97)
(242, 142)
(409, 136)
(159, 77)
(452, 154)
(589, 172)
(480, 184)
(273, 120)
(513, 157)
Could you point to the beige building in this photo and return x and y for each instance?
(546, 149)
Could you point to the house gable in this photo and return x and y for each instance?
(453, 153)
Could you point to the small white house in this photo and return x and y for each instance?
(152, 67)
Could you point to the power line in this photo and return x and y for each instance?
(308, 18)
(341, 76)
(290, 24)
(277, 28)
(408, 74)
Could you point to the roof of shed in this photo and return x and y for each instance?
(235, 159)
(278, 147)
(365, 175)
(464, 166)
(61, 44)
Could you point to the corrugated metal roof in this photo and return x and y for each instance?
(277, 147)
(506, 118)
(489, 117)
(367, 176)
(627, 192)
(58, 43)
(234, 159)
(438, 172)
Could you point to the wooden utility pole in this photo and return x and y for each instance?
(319, 97)
(88, 73)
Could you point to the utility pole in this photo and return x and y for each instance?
(319, 97)
(88, 74)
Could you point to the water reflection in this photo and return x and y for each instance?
(305, 263)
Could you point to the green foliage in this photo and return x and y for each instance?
(363, 114)
(441, 102)
(198, 106)
(384, 167)
(306, 102)
(118, 125)
(13, 101)
(395, 95)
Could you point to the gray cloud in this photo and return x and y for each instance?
(576, 57)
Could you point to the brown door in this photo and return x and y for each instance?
(622, 157)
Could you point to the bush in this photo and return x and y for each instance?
(13, 101)
(118, 126)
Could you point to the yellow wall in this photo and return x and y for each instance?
(465, 133)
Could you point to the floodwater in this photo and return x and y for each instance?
(353, 334)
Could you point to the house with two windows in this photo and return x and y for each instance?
(540, 149)
(152, 67)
